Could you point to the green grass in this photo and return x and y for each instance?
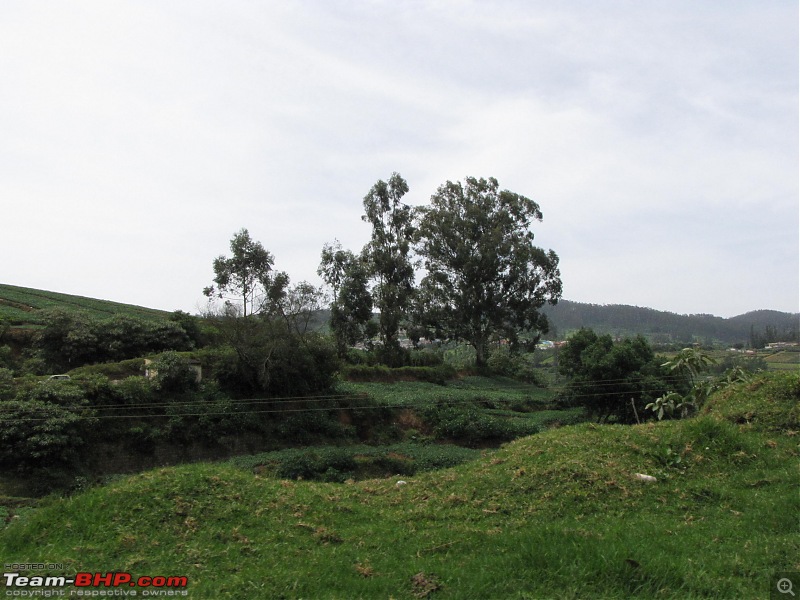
(487, 390)
(556, 515)
(340, 463)
(21, 306)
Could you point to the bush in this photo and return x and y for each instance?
(173, 374)
(134, 391)
(327, 464)
(341, 463)
(308, 427)
(518, 366)
(116, 370)
(38, 434)
(62, 393)
(360, 357)
(7, 390)
(426, 358)
(470, 426)
(381, 373)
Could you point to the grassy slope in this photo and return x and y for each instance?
(554, 515)
(21, 306)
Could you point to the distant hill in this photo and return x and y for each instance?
(21, 306)
(666, 327)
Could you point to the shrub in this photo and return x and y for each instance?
(134, 391)
(38, 434)
(308, 427)
(469, 425)
(7, 390)
(328, 464)
(380, 373)
(173, 374)
(426, 358)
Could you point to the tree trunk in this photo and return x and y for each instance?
(480, 353)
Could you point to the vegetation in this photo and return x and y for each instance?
(485, 278)
(341, 463)
(247, 276)
(24, 306)
(664, 329)
(387, 257)
(611, 379)
(351, 307)
(558, 511)
(560, 514)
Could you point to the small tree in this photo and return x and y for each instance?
(247, 275)
(606, 376)
(351, 306)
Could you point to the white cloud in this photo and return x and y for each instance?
(139, 136)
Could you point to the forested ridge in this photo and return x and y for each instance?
(754, 328)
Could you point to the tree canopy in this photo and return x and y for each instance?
(247, 276)
(610, 378)
(387, 257)
(485, 277)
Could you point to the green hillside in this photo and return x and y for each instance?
(665, 327)
(556, 515)
(21, 306)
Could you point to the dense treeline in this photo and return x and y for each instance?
(753, 329)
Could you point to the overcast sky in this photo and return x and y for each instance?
(660, 139)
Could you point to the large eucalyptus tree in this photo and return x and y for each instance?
(485, 276)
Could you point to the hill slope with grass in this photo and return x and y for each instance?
(20, 306)
(559, 514)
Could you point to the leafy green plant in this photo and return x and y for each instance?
(691, 363)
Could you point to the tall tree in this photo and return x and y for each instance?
(351, 306)
(485, 277)
(247, 275)
(387, 256)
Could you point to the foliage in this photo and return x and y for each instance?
(468, 425)
(351, 308)
(46, 427)
(387, 259)
(173, 374)
(503, 361)
(270, 358)
(70, 339)
(485, 277)
(7, 390)
(689, 365)
(558, 515)
(608, 378)
(247, 276)
(438, 374)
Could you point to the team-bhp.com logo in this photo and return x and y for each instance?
(94, 584)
